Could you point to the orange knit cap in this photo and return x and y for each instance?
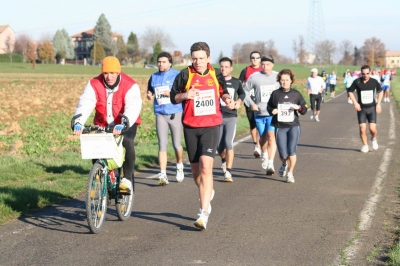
(110, 64)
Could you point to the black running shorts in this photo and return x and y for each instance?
(201, 141)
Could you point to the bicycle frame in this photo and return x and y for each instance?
(110, 185)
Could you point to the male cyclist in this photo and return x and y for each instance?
(110, 94)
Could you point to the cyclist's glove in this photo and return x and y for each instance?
(77, 127)
(119, 127)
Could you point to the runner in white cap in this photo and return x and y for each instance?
(315, 86)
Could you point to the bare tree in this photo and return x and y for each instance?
(271, 50)
(31, 54)
(46, 37)
(324, 51)
(245, 51)
(21, 45)
(374, 51)
(152, 35)
(345, 49)
(9, 46)
(236, 52)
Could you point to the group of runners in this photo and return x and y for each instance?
(202, 102)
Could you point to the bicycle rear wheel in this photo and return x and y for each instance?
(96, 202)
(124, 205)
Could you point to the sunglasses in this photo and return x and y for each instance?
(254, 57)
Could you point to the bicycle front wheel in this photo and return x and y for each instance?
(124, 205)
(96, 200)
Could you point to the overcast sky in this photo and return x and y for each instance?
(220, 23)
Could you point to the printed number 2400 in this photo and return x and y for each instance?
(205, 103)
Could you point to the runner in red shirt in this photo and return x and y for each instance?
(199, 88)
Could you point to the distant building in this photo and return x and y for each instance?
(177, 57)
(6, 35)
(84, 40)
(392, 59)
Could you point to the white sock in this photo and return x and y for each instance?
(179, 165)
(271, 162)
(163, 171)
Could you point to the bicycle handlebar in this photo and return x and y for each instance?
(89, 128)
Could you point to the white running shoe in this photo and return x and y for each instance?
(365, 149)
(264, 163)
(202, 221)
(223, 167)
(257, 152)
(209, 209)
(312, 116)
(350, 101)
(125, 185)
(283, 170)
(270, 169)
(388, 100)
(374, 144)
(163, 179)
(179, 174)
(317, 119)
(290, 178)
(228, 177)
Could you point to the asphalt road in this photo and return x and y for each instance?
(331, 215)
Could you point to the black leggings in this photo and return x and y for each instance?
(130, 156)
(315, 98)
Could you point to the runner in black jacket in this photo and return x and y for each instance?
(285, 104)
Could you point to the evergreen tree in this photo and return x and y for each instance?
(133, 46)
(122, 51)
(220, 56)
(97, 54)
(103, 33)
(69, 47)
(156, 50)
(59, 45)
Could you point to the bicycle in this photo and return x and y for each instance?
(103, 183)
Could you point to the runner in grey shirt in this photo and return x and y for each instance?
(263, 83)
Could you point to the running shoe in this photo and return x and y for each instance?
(374, 144)
(223, 167)
(350, 101)
(257, 152)
(270, 169)
(388, 100)
(228, 177)
(179, 174)
(290, 178)
(283, 170)
(365, 149)
(163, 179)
(125, 185)
(202, 221)
(384, 100)
(317, 119)
(264, 163)
(312, 116)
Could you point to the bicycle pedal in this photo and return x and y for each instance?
(124, 192)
